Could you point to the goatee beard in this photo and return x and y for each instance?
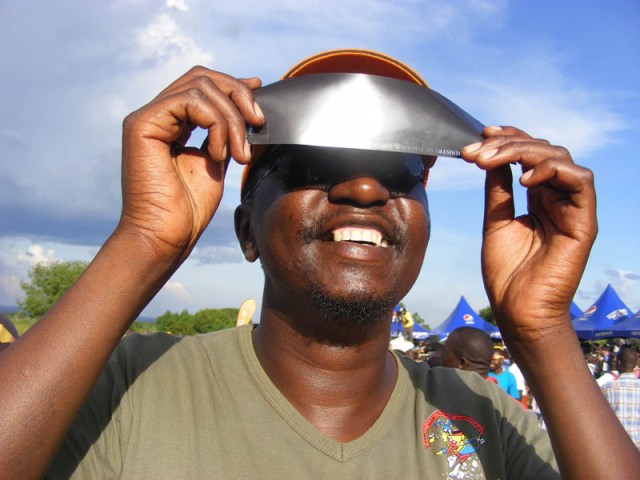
(348, 320)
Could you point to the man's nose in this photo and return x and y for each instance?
(362, 190)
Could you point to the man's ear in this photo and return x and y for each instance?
(463, 363)
(242, 221)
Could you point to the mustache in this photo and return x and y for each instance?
(318, 229)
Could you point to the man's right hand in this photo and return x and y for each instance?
(170, 191)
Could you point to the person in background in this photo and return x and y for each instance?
(406, 320)
(623, 393)
(611, 372)
(505, 379)
(469, 348)
(521, 384)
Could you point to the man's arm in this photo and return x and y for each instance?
(532, 266)
(170, 193)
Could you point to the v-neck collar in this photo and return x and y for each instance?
(340, 451)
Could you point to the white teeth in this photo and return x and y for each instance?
(357, 234)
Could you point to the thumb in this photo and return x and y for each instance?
(498, 204)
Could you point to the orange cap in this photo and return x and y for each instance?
(350, 60)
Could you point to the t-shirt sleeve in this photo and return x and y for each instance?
(97, 438)
(527, 449)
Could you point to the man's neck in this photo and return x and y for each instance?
(341, 390)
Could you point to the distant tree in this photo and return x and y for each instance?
(47, 283)
(487, 315)
(143, 327)
(207, 320)
(419, 320)
(211, 320)
(175, 323)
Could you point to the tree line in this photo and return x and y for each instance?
(48, 282)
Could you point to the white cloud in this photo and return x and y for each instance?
(563, 115)
(217, 254)
(180, 5)
(176, 290)
(622, 275)
(35, 254)
(162, 40)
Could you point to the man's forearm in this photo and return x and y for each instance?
(48, 373)
(587, 437)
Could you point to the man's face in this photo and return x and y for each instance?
(350, 243)
(496, 361)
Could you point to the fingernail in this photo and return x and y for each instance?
(488, 154)
(257, 110)
(526, 175)
(494, 128)
(247, 149)
(472, 148)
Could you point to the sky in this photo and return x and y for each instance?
(72, 70)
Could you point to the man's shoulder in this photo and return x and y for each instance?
(139, 351)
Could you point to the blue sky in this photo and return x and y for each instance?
(70, 72)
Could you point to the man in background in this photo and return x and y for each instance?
(504, 377)
(469, 348)
(623, 393)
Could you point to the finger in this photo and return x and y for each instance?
(164, 120)
(499, 207)
(494, 130)
(564, 194)
(235, 101)
(561, 175)
(239, 91)
(495, 137)
(501, 150)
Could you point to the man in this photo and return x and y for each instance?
(504, 377)
(623, 393)
(469, 348)
(521, 384)
(313, 391)
(406, 319)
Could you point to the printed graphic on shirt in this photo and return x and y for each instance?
(456, 438)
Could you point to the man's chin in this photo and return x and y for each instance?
(355, 310)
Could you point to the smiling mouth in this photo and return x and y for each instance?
(363, 236)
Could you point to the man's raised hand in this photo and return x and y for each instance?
(171, 191)
(532, 264)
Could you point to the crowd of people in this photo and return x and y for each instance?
(614, 365)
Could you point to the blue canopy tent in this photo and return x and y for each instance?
(575, 311)
(627, 328)
(419, 332)
(464, 316)
(603, 317)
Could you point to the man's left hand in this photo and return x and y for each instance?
(532, 264)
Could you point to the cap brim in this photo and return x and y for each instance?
(362, 111)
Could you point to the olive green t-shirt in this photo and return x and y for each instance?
(202, 407)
